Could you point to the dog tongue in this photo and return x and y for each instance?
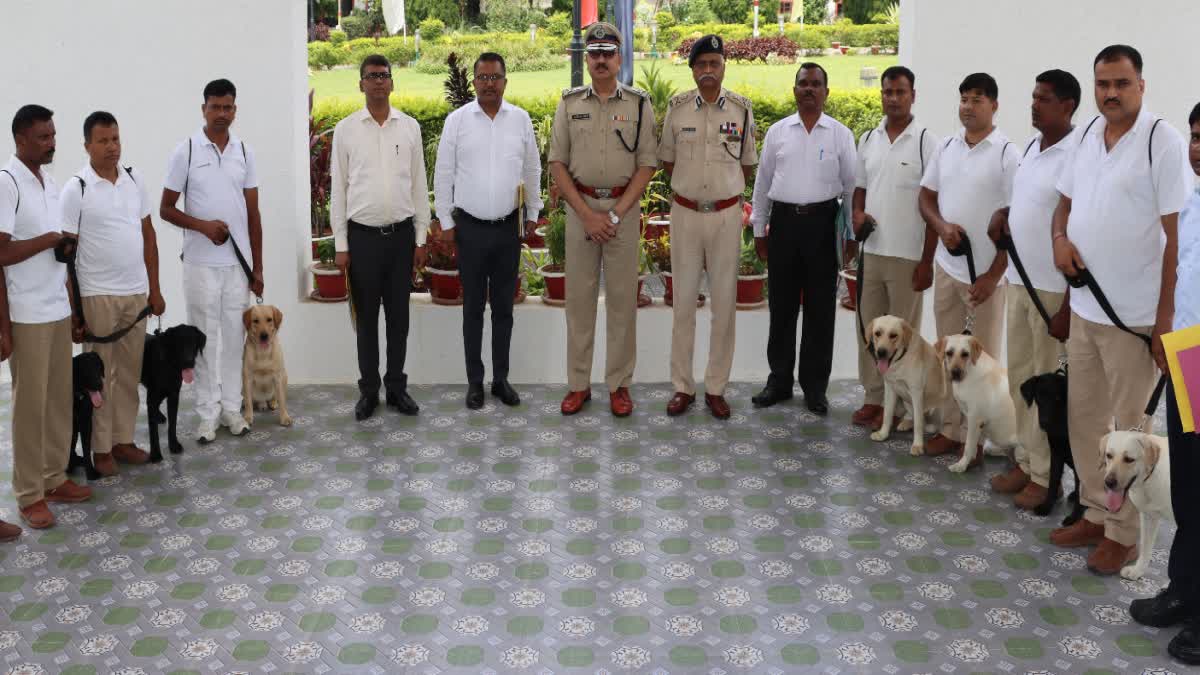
(188, 375)
(883, 366)
(97, 399)
(1114, 500)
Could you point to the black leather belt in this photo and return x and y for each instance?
(805, 209)
(390, 228)
(503, 220)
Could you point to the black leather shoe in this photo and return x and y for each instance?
(475, 395)
(1162, 611)
(770, 395)
(402, 402)
(502, 390)
(366, 406)
(1185, 647)
(817, 404)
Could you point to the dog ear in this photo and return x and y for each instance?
(940, 347)
(1151, 453)
(906, 334)
(976, 349)
(1028, 388)
(1103, 448)
(246, 317)
(278, 316)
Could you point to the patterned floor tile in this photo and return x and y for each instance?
(518, 540)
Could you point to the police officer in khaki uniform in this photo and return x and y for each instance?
(708, 149)
(602, 155)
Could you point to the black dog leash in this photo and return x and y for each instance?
(65, 253)
(1083, 279)
(867, 228)
(1005, 243)
(245, 266)
(964, 248)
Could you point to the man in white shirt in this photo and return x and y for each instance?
(1117, 217)
(808, 161)
(39, 312)
(1033, 347)
(217, 176)
(106, 208)
(379, 209)
(487, 159)
(969, 179)
(898, 255)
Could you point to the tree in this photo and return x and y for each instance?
(861, 11)
(730, 11)
(814, 12)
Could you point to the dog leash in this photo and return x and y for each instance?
(66, 254)
(1085, 279)
(867, 228)
(245, 266)
(964, 248)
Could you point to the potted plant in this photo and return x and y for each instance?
(658, 256)
(656, 205)
(555, 272)
(328, 281)
(441, 261)
(532, 261)
(752, 275)
(645, 267)
(320, 146)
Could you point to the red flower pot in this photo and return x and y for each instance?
(446, 288)
(556, 286)
(750, 291)
(330, 283)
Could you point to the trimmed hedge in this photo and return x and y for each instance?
(808, 37)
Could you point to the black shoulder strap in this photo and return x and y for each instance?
(1029, 147)
(1002, 151)
(129, 170)
(1089, 128)
(82, 189)
(187, 176)
(867, 138)
(921, 150)
(15, 186)
(1150, 145)
(948, 142)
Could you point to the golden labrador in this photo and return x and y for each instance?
(912, 372)
(980, 385)
(1137, 466)
(264, 377)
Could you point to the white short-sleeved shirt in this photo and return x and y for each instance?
(1034, 199)
(107, 217)
(1187, 281)
(214, 182)
(971, 184)
(37, 286)
(1117, 204)
(890, 172)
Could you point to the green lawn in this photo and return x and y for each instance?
(843, 74)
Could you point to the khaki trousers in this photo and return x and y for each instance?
(1112, 377)
(950, 308)
(886, 289)
(619, 258)
(704, 242)
(113, 423)
(41, 394)
(1031, 351)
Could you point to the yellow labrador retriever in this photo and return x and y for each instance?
(912, 372)
(1138, 466)
(980, 386)
(264, 377)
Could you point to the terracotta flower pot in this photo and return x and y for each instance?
(538, 238)
(656, 226)
(446, 288)
(329, 281)
(750, 291)
(643, 300)
(556, 286)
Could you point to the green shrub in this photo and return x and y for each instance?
(337, 38)
(519, 55)
(322, 55)
(356, 26)
(664, 20)
(641, 39)
(432, 29)
(559, 24)
(556, 237)
(512, 15)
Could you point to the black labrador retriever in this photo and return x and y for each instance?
(168, 360)
(87, 394)
(1049, 392)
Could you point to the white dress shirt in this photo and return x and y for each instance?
(1034, 199)
(37, 286)
(481, 161)
(1187, 281)
(107, 217)
(971, 183)
(890, 172)
(215, 185)
(378, 174)
(1117, 204)
(802, 167)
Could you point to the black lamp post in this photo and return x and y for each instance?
(576, 47)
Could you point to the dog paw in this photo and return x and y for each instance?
(906, 424)
(272, 405)
(916, 450)
(249, 417)
(878, 436)
(1132, 572)
(285, 420)
(959, 466)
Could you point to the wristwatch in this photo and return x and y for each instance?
(613, 217)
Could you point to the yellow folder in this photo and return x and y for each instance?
(1183, 374)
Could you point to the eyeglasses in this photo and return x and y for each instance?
(378, 76)
(602, 54)
(491, 77)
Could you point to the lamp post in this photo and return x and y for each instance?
(576, 48)
(653, 39)
(417, 43)
(755, 18)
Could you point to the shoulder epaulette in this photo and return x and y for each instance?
(739, 99)
(638, 92)
(574, 90)
(680, 99)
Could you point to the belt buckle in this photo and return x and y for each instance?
(603, 193)
(706, 207)
(388, 229)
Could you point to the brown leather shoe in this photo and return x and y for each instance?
(620, 402)
(37, 515)
(69, 493)
(869, 415)
(718, 406)
(9, 532)
(1109, 557)
(1011, 482)
(940, 445)
(1032, 496)
(1082, 533)
(573, 401)
(975, 463)
(128, 453)
(104, 463)
(679, 403)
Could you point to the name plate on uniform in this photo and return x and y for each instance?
(582, 116)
